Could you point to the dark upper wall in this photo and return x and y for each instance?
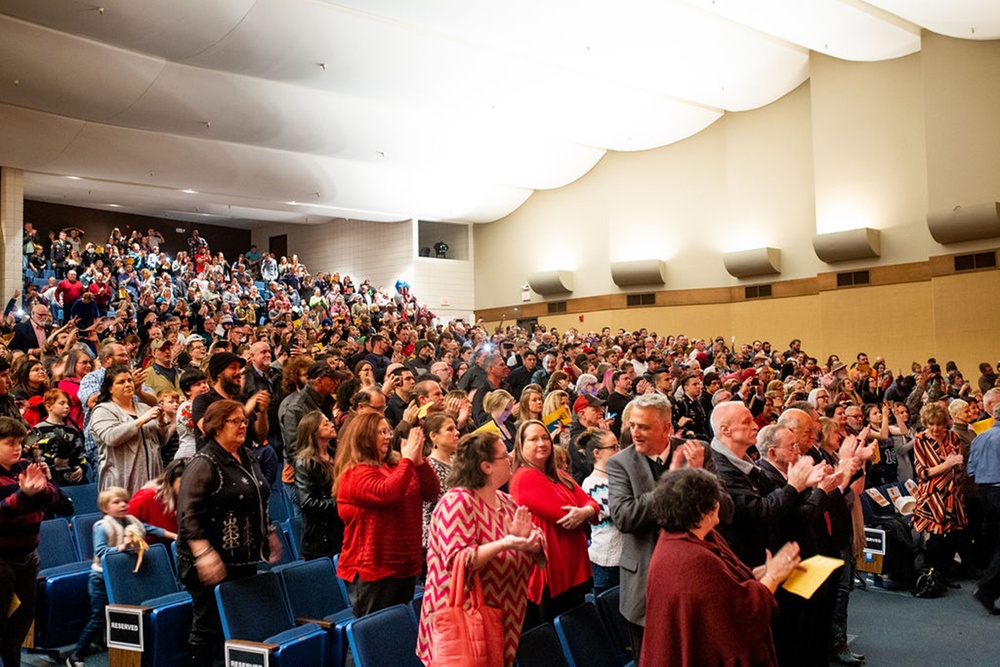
(98, 225)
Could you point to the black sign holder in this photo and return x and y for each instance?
(125, 634)
(241, 653)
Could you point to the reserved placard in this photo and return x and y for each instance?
(244, 655)
(124, 627)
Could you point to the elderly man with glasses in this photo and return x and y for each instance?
(30, 335)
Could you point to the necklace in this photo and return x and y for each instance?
(601, 470)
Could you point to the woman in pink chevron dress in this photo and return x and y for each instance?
(484, 527)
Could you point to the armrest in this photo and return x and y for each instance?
(326, 625)
(131, 607)
(248, 644)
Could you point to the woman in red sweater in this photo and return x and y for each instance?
(561, 509)
(380, 497)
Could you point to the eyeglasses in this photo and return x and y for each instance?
(505, 457)
(614, 446)
(237, 421)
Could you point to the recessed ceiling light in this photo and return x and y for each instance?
(189, 191)
(292, 203)
(115, 205)
(74, 178)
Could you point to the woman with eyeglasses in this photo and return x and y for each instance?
(481, 526)
(380, 495)
(561, 509)
(605, 540)
(223, 525)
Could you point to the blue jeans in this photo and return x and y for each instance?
(605, 578)
(93, 633)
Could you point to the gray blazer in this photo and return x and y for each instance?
(630, 494)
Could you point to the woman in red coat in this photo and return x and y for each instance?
(380, 497)
(561, 509)
(703, 605)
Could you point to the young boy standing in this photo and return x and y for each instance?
(25, 492)
(116, 531)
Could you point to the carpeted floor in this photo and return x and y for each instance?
(894, 628)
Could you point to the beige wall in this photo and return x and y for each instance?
(948, 317)
(861, 144)
(962, 99)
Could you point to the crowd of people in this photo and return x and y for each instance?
(694, 474)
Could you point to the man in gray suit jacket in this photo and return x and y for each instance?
(632, 475)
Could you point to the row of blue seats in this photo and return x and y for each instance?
(308, 590)
(66, 551)
(595, 633)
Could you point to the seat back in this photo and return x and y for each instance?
(386, 637)
(287, 554)
(278, 505)
(617, 625)
(584, 638)
(253, 608)
(56, 545)
(341, 582)
(311, 588)
(83, 531)
(155, 577)
(293, 531)
(540, 647)
(84, 497)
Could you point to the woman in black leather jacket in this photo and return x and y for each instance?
(322, 528)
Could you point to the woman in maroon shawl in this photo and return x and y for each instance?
(703, 605)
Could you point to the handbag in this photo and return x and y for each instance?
(928, 585)
(472, 637)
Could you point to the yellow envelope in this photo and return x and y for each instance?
(424, 409)
(804, 582)
(489, 427)
(15, 602)
(982, 425)
(561, 415)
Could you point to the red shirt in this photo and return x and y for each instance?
(566, 550)
(69, 293)
(101, 292)
(146, 508)
(383, 508)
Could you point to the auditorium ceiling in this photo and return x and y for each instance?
(240, 112)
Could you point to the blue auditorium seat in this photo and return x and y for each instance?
(585, 640)
(167, 625)
(385, 637)
(240, 605)
(63, 605)
(314, 594)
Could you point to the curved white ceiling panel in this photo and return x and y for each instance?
(664, 47)
(844, 29)
(67, 75)
(171, 29)
(964, 19)
(235, 170)
(30, 140)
